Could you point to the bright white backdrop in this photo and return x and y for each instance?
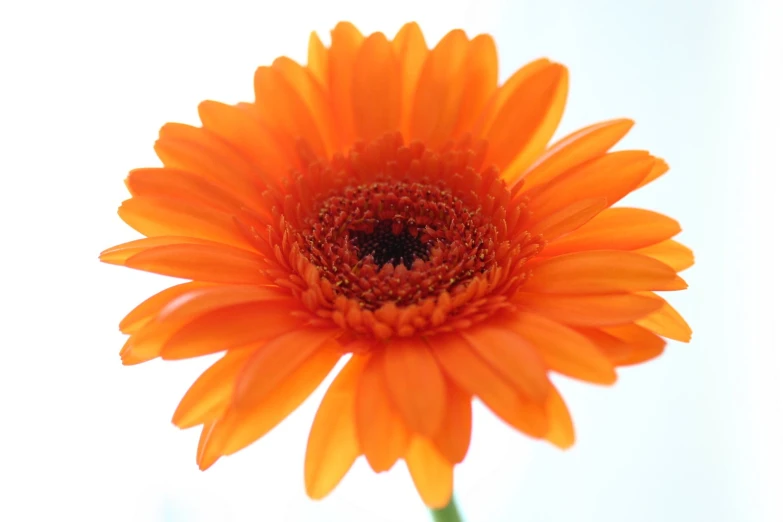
(84, 87)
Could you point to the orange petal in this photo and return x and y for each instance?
(117, 255)
(204, 460)
(659, 169)
(453, 438)
(439, 91)
(211, 391)
(511, 357)
(383, 437)
(287, 396)
(670, 252)
(475, 376)
(213, 263)
(276, 360)
(416, 384)
(130, 357)
(172, 217)
(502, 95)
(527, 120)
(317, 58)
(589, 310)
(332, 446)
(377, 89)
(625, 344)
(240, 126)
(346, 40)
(411, 49)
(611, 176)
(432, 474)
(561, 427)
(178, 184)
(568, 219)
(481, 82)
(229, 328)
(148, 309)
(562, 349)
(617, 229)
(201, 152)
(601, 272)
(312, 93)
(238, 428)
(575, 149)
(283, 111)
(149, 340)
(666, 322)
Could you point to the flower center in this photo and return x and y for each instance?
(389, 243)
(398, 241)
(390, 239)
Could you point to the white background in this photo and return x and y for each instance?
(84, 86)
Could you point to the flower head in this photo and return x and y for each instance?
(393, 203)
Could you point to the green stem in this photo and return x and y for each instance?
(447, 514)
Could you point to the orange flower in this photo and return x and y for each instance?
(390, 202)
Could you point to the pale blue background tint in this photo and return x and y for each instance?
(692, 436)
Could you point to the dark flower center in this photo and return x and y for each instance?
(387, 243)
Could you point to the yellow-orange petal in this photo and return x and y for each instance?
(617, 229)
(601, 272)
(502, 95)
(528, 119)
(283, 111)
(568, 219)
(561, 427)
(377, 89)
(130, 357)
(313, 94)
(117, 255)
(589, 310)
(439, 91)
(659, 169)
(211, 391)
(172, 217)
(346, 40)
(670, 252)
(237, 428)
(666, 322)
(276, 360)
(453, 438)
(411, 50)
(201, 152)
(625, 344)
(512, 358)
(432, 474)
(149, 340)
(562, 349)
(576, 148)
(210, 263)
(178, 184)
(317, 58)
(231, 327)
(333, 446)
(611, 176)
(205, 461)
(481, 82)
(241, 127)
(474, 375)
(416, 384)
(383, 437)
(150, 307)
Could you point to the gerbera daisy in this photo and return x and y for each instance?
(394, 204)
